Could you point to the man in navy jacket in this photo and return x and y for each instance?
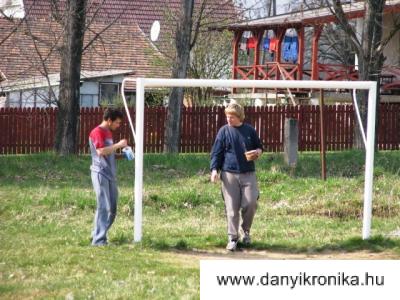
(236, 147)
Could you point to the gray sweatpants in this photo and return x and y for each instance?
(240, 192)
(106, 196)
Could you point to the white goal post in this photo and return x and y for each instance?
(142, 83)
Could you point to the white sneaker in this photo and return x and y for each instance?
(246, 240)
(232, 245)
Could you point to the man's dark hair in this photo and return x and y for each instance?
(112, 114)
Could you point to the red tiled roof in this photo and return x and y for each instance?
(142, 12)
(120, 47)
(125, 45)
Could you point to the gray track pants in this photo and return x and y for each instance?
(240, 191)
(106, 196)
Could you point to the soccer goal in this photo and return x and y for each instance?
(142, 83)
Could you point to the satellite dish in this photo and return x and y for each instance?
(155, 31)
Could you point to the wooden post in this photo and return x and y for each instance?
(235, 46)
(300, 34)
(258, 35)
(314, 55)
(322, 135)
(280, 33)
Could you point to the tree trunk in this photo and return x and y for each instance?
(71, 57)
(183, 40)
(370, 61)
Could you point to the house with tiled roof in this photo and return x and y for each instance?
(30, 61)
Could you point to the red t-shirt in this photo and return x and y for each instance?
(101, 137)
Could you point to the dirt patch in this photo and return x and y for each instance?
(194, 256)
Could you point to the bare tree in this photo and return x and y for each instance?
(183, 47)
(71, 58)
(257, 8)
(191, 24)
(368, 45)
(64, 42)
(211, 57)
(369, 50)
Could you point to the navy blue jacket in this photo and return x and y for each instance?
(231, 143)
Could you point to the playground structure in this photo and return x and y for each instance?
(278, 46)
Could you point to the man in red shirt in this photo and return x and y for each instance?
(103, 173)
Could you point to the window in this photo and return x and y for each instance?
(109, 93)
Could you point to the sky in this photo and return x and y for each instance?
(281, 6)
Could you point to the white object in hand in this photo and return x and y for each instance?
(128, 153)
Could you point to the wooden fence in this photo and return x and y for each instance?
(31, 130)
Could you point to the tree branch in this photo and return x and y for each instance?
(97, 35)
(392, 33)
(338, 12)
(198, 23)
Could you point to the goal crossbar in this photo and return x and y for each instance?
(142, 83)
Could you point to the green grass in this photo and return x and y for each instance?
(47, 206)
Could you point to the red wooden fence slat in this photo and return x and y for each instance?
(345, 127)
(50, 125)
(198, 129)
(147, 130)
(268, 117)
(33, 131)
(14, 130)
(149, 113)
(332, 114)
(38, 129)
(21, 140)
(203, 129)
(383, 112)
(11, 129)
(339, 127)
(3, 125)
(395, 126)
(25, 139)
(44, 114)
(276, 120)
(186, 130)
(159, 128)
(8, 132)
(18, 132)
(195, 131)
(46, 128)
(387, 133)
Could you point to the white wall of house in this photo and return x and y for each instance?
(89, 94)
(3, 101)
(38, 97)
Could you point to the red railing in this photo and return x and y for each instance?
(268, 71)
(274, 70)
(337, 72)
(32, 130)
(390, 80)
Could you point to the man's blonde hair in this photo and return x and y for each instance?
(235, 109)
